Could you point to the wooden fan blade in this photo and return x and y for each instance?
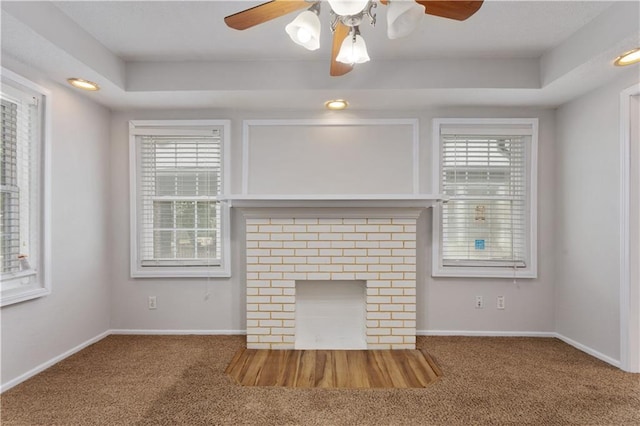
(455, 9)
(338, 68)
(264, 12)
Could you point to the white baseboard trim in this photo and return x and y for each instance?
(16, 381)
(588, 350)
(571, 342)
(21, 378)
(128, 331)
(475, 333)
(471, 333)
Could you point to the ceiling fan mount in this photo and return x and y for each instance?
(346, 17)
(355, 20)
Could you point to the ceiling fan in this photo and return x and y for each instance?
(346, 16)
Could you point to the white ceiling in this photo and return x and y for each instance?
(159, 31)
(181, 54)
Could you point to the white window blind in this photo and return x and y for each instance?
(487, 172)
(9, 190)
(19, 183)
(485, 220)
(179, 222)
(180, 183)
(21, 193)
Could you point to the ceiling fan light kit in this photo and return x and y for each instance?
(305, 29)
(348, 7)
(353, 50)
(348, 47)
(403, 17)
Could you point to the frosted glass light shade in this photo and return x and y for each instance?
(305, 30)
(353, 51)
(403, 16)
(348, 7)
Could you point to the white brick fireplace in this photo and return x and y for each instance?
(332, 240)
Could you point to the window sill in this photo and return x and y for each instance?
(177, 272)
(483, 272)
(17, 276)
(17, 295)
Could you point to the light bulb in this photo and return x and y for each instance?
(305, 30)
(348, 7)
(353, 51)
(304, 35)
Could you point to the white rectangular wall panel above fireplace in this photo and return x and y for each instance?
(376, 156)
(374, 246)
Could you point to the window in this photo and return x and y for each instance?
(24, 167)
(180, 228)
(487, 170)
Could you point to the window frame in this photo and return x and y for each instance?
(137, 270)
(490, 126)
(41, 214)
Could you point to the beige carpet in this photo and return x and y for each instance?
(180, 380)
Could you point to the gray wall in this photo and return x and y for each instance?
(218, 304)
(587, 202)
(35, 331)
(529, 302)
(576, 293)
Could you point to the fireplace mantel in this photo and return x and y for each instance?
(334, 201)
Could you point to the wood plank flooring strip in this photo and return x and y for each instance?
(419, 368)
(286, 360)
(434, 366)
(323, 369)
(235, 362)
(358, 372)
(255, 365)
(271, 368)
(306, 373)
(342, 369)
(397, 371)
(358, 369)
(328, 377)
(290, 371)
(377, 371)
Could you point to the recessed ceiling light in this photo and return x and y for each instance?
(628, 58)
(336, 104)
(83, 84)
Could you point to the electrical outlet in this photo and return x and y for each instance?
(152, 302)
(500, 302)
(479, 302)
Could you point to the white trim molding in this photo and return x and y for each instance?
(479, 333)
(629, 241)
(40, 368)
(158, 332)
(43, 287)
(487, 126)
(544, 334)
(154, 332)
(144, 127)
(356, 200)
(588, 350)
